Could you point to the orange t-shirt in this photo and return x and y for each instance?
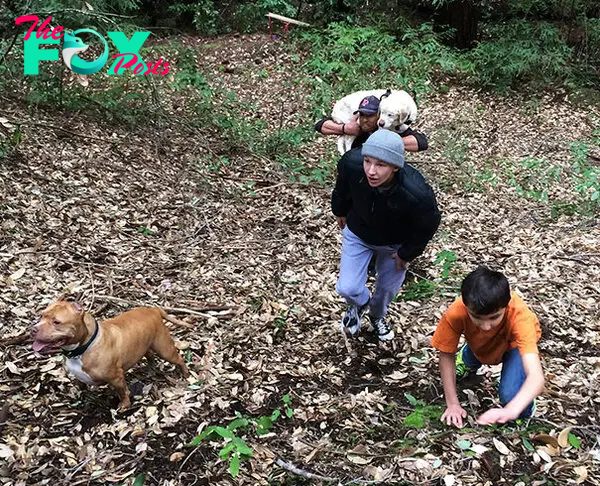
(519, 328)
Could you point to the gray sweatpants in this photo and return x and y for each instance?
(351, 283)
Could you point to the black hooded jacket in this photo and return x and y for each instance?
(405, 213)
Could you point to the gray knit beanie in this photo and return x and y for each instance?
(386, 146)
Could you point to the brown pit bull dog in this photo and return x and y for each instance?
(102, 353)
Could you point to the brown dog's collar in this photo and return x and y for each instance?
(79, 350)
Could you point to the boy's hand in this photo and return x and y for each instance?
(454, 415)
(497, 416)
(341, 221)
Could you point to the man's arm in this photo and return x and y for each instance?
(414, 141)
(425, 223)
(328, 127)
(454, 413)
(341, 199)
(531, 388)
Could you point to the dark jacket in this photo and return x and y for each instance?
(405, 214)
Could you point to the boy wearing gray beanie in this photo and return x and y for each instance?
(384, 207)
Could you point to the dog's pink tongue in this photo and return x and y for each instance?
(39, 345)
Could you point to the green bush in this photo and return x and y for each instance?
(522, 52)
(249, 16)
(205, 16)
(346, 58)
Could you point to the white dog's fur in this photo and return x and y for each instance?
(394, 111)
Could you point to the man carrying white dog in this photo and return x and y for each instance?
(365, 123)
(384, 207)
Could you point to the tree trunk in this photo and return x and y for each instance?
(461, 15)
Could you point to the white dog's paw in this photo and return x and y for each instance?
(340, 145)
(344, 143)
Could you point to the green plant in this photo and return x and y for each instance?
(519, 51)
(264, 424)
(206, 16)
(424, 289)
(482, 179)
(574, 440)
(456, 149)
(418, 290)
(12, 138)
(145, 231)
(422, 413)
(533, 178)
(234, 449)
(287, 401)
(447, 259)
(250, 15)
(350, 58)
(586, 176)
(139, 480)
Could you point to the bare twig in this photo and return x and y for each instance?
(93, 288)
(4, 411)
(9, 48)
(194, 450)
(288, 466)
(182, 310)
(590, 429)
(102, 15)
(47, 125)
(77, 468)
(19, 339)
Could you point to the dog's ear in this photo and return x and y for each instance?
(403, 115)
(386, 94)
(77, 306)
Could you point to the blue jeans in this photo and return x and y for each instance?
(352, 281)
(511, 379)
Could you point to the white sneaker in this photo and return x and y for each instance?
(351, 321)
(383, 329)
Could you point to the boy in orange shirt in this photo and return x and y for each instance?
(498, 328)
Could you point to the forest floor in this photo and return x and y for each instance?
(164, 214)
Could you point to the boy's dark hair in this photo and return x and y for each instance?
(484, 291)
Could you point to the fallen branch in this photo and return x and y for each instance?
(11, 340)
(54, 127)
(102, 15)
(288, 466)
(592, 430)
(129, 303)
(9, 48)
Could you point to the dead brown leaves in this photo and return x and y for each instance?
(140, 220)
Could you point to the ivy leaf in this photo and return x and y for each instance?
(574, 441)
(528, 445)
(224, 453)
(234, 465)
(264, 425)
(241, 447)
(140, 479)
(464, 444)
(414, 420)
(412, 400)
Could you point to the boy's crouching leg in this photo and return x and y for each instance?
(511, 380)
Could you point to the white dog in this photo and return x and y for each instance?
(397, 110)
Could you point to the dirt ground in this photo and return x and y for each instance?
(122, 217)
